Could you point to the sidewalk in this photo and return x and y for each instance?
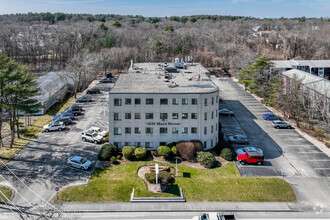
(180, 207)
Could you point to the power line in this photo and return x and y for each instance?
(13, 205)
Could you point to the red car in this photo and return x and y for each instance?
(251, 157)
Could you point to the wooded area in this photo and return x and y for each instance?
(46, 41)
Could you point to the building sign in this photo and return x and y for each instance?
(163, 123)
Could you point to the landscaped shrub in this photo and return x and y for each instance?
(150, 177)
(140, 153)
(106, 139)
(164, 177)
(107, 151)
(227, 154)
(164, 151)
(221, 145)
(119, 156)
(198, 145)
(206, 159)
(187, 150)
(174, 151)
(113, 159)
(170, 145)
(128, 152)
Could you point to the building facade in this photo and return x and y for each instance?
(150, 107)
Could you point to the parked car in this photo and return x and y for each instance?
(225, 111)
(238, 139)
(92, 137)
(64, 114)
(281, 124)
(79, 162)
(251, 157)
(98, 130)
(84, 99)
(73, 110)
(66, 120)
(105, 80)
(93, 91)
(271, 117)
(75, 106)
(54, 126)
(248, 149)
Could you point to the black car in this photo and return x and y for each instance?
(93, 91)
(75, 106)
(65, 120)
(105, 80)
(84, 99)
(74, 110)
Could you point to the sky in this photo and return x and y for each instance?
(162, 8)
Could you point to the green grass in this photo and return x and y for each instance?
(30, 133)
(115, 184)
(7, 192)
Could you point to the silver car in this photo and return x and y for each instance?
(248, 149)
(94, 129)
(225, 111)
(79, 162)
(54, 126)
(281, 124)
(238, 139)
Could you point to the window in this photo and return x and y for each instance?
(205, 116)
(163, 116)
(175, 115)
(184, 115)
(117, 102)
(128, 115)
(137, 116)
(127, 143)
(148, 145)
(194, 101)
(127, 130)
(149, 101)
(184, 101)
(149, 130)
(193, 130)
(163, 101)
(184, 130)
(211, 143)
(117, 131)
(205, 144)
(211, 115)
(205, 130)
(163, 130)
(205, 102)
(137, 130)
(128, 101)
(193, 115)
(137, 101)
(116, 117)
(175, 130)
(137, 144)
(149, 115)
(175, 101)
(117, 144)
(216, 115)
(212, 100)
(216, 127)
(212, 129)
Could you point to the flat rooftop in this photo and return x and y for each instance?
(152, 78)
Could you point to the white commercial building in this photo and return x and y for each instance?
(153, 105)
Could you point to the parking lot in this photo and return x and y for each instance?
(285, 150)
(42, 164)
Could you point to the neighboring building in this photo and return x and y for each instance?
(151, 107)
(317, 89)
(319, 68)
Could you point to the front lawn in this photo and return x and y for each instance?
(115, 184)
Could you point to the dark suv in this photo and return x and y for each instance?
(93, 91)
(75, 110)
(251, 157)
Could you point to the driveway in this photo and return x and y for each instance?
(41, 166)
(285, 150)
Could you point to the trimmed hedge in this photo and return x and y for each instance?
(140, 153)
(107, 151)
(128, 152)
(187, 150)
(206, 159)
(174, 151)
(164, 151)
(222, 145)
(113, 159)
(227, 154)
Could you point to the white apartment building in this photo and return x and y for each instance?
(151, 107)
